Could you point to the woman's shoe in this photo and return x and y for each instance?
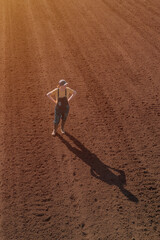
(55, 130)
(54, 133)
(62, 131)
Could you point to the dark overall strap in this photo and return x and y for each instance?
(58, 92)
(65, 92)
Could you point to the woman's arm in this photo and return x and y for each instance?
(50, 97)
(73, 94)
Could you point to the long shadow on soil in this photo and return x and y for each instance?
(98, 169)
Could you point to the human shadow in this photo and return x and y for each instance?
(98, 169)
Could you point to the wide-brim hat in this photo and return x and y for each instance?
(62, 82)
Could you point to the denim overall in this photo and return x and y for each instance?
(61, 108)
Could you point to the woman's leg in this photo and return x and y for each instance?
(57, 116)
(64, 118)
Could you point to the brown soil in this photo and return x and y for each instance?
(101, 180)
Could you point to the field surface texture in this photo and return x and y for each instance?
(101, 180)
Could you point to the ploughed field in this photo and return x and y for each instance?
(101, 180)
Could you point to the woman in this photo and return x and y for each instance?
(61, 96)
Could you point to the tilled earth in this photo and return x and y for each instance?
(101, 180)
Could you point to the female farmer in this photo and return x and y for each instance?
(61, 96)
